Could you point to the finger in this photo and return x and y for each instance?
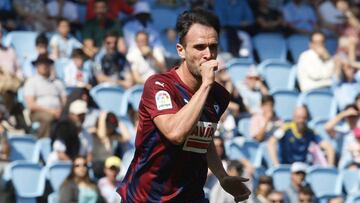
(242, 197)
(242, 179)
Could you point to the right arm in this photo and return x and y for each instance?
(30, 102)
(330, 125)
(176, 127)
(272, 148)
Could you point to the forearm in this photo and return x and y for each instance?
(214, 162)
(178, 126)
(329, 151)
(261, 134)
(330, 125)
(273, 151)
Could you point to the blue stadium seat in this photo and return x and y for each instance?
(108, 97)
(353, 198)
(237, 69)
(325, 198)
(270, 46)
(281, 176)
(42, 149)
(277, 74)
(323, 180)
(331, 44)
(57, 173)
(23, 43)
(132, 96)
(297, 44)
(321, 104)
(59, 66)
(350, 180)
(245, 149)
(28, 180)
(53, 198)
(22, 147)
(285, 103)
(244, 126)
(163, 18)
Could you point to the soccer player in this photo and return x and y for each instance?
(178, 116)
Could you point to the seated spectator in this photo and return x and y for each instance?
(62, 43)
(41, 47)
(346, 83)
(342, 125)
(141, 21)
(293, 140)
(33, 15)
(263, 189)
(338, 199)
(115, 7)
(217, 193)
(300, 17)
(78, 187)
(264, 123)
(113, 67)
(74, 73)
(315, 67)
(44, 96)
(95, 29)
(171, 56)
(234, 16)
(64, 141)
(332, 20)
(77, 113)
(144, 59)
(306, 195)
(106, 141)
(351, 152)
(65, 9)
(276, 197)
(298, 173)
(109, 183)
(268, 19)
(252, 89)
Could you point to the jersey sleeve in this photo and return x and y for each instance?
(159, 97)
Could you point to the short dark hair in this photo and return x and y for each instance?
(200, 16)
(41, 39)
(315, 33)
(111, 33)
(306, 190)
(104, 1)
(267, 98)
(60, 20)
(78, 53)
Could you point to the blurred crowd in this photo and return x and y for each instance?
(82, 44)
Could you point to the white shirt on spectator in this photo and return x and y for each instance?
(69, 10)
(74, 76)
(86, 142)
(65, 45)
(313, 72)
(58, 147)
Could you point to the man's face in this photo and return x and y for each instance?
(110, 44)
(44, 69)
(100, 9)
(201, 45)
(297, 178)
(64, 28)
(305, 198)
(111, 173)
(300, 118)
(142, 39)
(317, 41)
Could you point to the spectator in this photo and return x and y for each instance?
(268, 19)
(78, 110)
(264, 123)
(114, 66)
(61, 43)
(300, 17)
(141, 21)
(234, 16)
(351, 152)
(44, 96)
(332, 20)
(115, 6)
(74, 73)
(109, 183)
(306, 195)
(95, 29)
(337, 199)
(106, 139)
(315, 66)
(41, 45)
(144, 59)
(78, 187)
(169, 42)
(348, 119)
(298, 173)
(263, 189)
(276, 197)
(346, 83)
(252, 89)
(293, 140)
(64, 141)
(217, 193)
(33, 15)
(62, 9)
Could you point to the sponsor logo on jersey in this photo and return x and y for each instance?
(163, 100)
(200, 137)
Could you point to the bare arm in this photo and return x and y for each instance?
(272, 147)
(330, 125)
(30, 101)
(214, 162)
(329, 151)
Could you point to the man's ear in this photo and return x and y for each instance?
(181, 50)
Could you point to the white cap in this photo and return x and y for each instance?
(252, 72)
(298, 167)
(78, 107)
(141, 7)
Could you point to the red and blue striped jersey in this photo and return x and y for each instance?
(161, 171)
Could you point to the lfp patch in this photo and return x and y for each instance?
(163, 100)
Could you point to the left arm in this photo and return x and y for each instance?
(329, 152)
(214, 162)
